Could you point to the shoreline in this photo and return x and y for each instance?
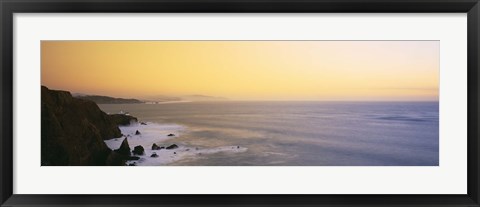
(158, 147)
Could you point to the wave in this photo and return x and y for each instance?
(149, 134)
(158, 133)
(402, 118)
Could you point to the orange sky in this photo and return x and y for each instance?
(246, 70)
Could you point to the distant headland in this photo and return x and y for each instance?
(98, 99)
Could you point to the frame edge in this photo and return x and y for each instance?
(473, 21)
(6, 55)
(6, 105)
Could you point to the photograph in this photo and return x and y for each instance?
(239, 103)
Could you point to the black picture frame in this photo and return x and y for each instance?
(9, 7)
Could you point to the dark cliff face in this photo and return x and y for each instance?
(122, 119)
(73, 131)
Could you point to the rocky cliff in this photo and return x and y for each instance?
(73, 131)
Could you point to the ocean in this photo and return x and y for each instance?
(290, 133)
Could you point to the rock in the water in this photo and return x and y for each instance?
(238, 147)
(124, 148)
(143, 123)
(133, 158)
(173, 146)
(174, 153)
(154, 155)
(171, 135)
(155, 147)
(133, 164)
(138, 150)
(137, 132)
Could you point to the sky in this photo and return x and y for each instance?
(246, 70)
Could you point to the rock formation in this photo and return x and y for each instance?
(122, 119)
(155, 147)
(173, 146)
(138, 150)
(73, 130)
(124, 148)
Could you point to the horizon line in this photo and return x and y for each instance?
(226, 99)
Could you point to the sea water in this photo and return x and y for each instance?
(265, 133)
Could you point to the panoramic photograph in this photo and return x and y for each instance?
(240, 103)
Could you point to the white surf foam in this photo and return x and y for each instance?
(169, 156)
(158, 133)
(149, 134)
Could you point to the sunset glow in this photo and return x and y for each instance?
(246, 70)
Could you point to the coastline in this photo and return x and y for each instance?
(74, 130)
(78, 132)
(151, 134)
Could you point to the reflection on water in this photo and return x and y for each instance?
(302, 133)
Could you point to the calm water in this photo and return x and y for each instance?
(302, 133)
